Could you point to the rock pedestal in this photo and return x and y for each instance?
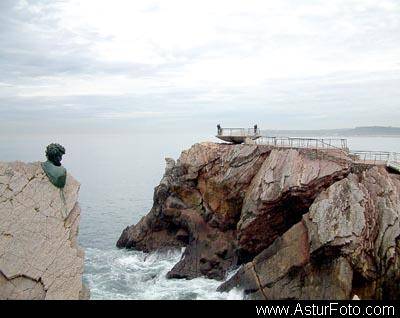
(39, 254)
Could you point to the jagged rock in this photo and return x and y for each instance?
(202, 194)
(284, 271)
(209, 251)
(281, 192)
(359, 216)
(346, 245)
(39, 254)
(226, 203)
(307, 224)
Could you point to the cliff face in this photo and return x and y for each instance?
(39, 254)
(198, 204)
(282, 191)
(348, 243)
(304, 224)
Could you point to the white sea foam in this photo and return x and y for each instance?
(124, 274)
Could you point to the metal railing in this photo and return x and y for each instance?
(391, 159)
(374, 157)
(238, 132)
(298, 142)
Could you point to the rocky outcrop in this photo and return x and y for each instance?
(217, 197)
(39, 254)
(301, 223)
(197, 205)
(346, 244)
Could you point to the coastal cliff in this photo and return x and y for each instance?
(39, 254)
(302, 223)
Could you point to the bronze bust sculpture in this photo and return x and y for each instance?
(56, 173)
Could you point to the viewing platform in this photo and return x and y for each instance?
(339, 145)
(238, 135)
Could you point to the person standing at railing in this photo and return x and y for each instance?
(219, 129)
(255, 129)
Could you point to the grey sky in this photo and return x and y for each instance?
(137, 65)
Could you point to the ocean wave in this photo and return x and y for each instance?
(129, 274)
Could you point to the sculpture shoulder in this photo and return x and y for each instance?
(56, 174)
(51, 167)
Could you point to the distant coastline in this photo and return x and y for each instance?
(365, 131)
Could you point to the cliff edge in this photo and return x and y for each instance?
(303, 224)
(39, 254)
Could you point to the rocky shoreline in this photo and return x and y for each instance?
(302, 224)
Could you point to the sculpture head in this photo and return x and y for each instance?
(54, 153)
(56, 173)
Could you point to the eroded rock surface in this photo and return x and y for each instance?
(197, 205)
(347, 244)
(226, 203)
(303, 224)
(281, 192)
(39, 254)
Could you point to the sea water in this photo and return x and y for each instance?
(118, 174)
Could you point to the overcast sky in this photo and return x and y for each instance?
(136, 65)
